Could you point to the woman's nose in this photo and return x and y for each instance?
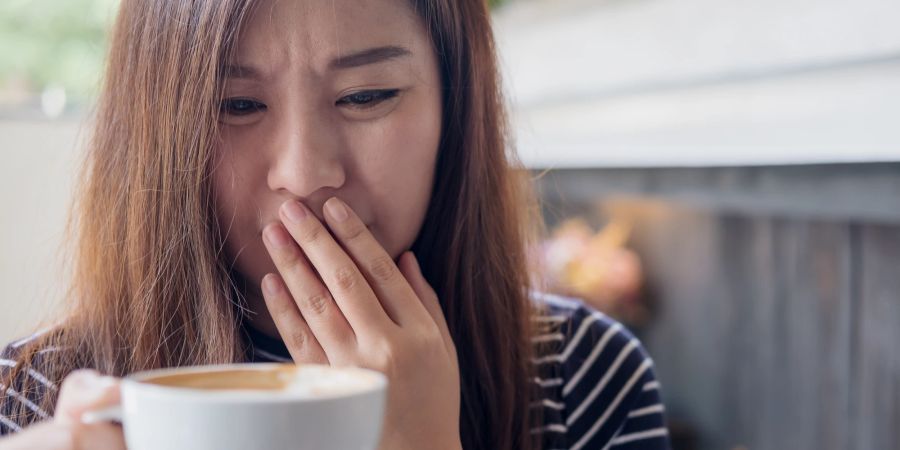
(308, 158)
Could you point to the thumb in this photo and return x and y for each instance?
(84, 390)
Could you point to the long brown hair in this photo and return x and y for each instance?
(150, 285)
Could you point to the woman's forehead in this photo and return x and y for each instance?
(320, 33)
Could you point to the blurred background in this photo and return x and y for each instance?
(721, 176)
(51, 56)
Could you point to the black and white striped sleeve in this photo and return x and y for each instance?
(19, 408)
(644, 427)
(8, 394)
(610, 390)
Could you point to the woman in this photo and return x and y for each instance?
(322, 182)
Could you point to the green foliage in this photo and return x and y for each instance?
(59, 42)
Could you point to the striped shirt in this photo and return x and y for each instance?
(599, 388)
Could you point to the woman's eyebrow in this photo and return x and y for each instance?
(241, 71)
(356, 59)
(369, 56)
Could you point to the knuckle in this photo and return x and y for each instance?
(293, 264)
(288, 258)
(389, 360)
(345, 278)
(383, 268)
(298, 338)
(355, 232)
(311, 234)
(279, 307)
(392, 357)
(316, 303)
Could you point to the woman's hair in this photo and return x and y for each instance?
(151, 286)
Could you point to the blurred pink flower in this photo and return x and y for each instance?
(595, 266)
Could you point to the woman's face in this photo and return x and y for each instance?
(338, 98)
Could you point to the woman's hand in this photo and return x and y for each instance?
(366, 312)
(81, 391)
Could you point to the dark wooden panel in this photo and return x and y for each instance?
(752, 339)
(878, 345)
(749, 387)
(805, 337)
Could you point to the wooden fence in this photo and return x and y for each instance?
(776, 296)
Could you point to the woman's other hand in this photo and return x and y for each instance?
(81, 391)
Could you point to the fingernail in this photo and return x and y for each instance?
(295, 211)
(276, 236)
(92, 383)
(269, 285)
(336, 209)
(105, 382)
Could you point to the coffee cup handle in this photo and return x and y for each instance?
(110, 414)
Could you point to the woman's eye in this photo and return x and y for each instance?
(241, 106)
(367, 99)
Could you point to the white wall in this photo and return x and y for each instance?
(37, 164)
(702, 82)
(557, 48)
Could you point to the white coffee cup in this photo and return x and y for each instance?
(250, 406)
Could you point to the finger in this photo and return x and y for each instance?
(297, 336)
(394, 292)
(316, 305)
(410, 268)
(347, 285)
(65, 435)
(101, 436)
(84, 390)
